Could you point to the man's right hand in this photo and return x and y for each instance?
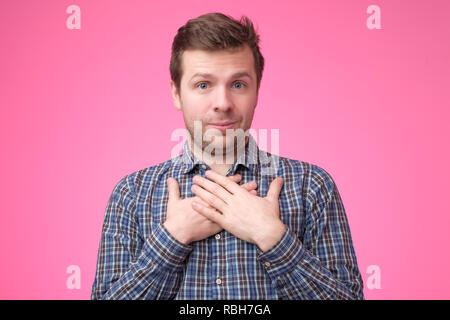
(184, 223)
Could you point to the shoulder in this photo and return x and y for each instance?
(142, 179)
(315, 179)
(301, 169)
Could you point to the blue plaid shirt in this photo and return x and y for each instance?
(315, 259)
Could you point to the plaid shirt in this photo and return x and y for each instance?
(139, 259)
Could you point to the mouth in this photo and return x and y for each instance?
(222, 126)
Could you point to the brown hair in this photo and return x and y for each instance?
(212, 32)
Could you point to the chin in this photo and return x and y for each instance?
(220, 142)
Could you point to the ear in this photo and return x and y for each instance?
(175, 95)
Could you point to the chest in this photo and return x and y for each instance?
(291, 201)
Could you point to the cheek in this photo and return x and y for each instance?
(247, 108)
(192, 113)
(197, 103)
(194, 107)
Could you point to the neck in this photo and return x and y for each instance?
(213, 162)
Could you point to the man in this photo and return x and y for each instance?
(186, 228)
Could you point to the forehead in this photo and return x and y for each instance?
(219, 63)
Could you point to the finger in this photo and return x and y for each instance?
(252, 185)
(209, 198)
(199, 200)
(275, 188)
(253, 192)
(228, 185)
(174, 189)
(213, 188)
(236, 178)
(209, 213)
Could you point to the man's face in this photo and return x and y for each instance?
(218, 89)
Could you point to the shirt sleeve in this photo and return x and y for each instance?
(323, 265)
(128, 266)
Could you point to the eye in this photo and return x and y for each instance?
(202, 85)
(240, 84)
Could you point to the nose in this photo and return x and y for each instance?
(223, 100)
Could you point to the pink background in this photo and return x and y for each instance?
(80, 109)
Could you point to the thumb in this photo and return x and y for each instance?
(275, 188)
(174, 189)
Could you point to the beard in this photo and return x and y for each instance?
(216, 145)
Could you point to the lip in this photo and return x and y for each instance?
(222, 125)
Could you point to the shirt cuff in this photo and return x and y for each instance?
(284, 256)
(165, 250)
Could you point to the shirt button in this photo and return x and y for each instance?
(203, 167)
(267, 264)
(217, 236)
(218, 281)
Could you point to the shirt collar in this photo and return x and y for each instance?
(249, 158)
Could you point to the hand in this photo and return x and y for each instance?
(247, 216)
(184, 223)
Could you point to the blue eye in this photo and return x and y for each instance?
(202, 85)
(240, 83)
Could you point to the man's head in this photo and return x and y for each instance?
(216, 69)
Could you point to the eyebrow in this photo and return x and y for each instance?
(209, 76)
